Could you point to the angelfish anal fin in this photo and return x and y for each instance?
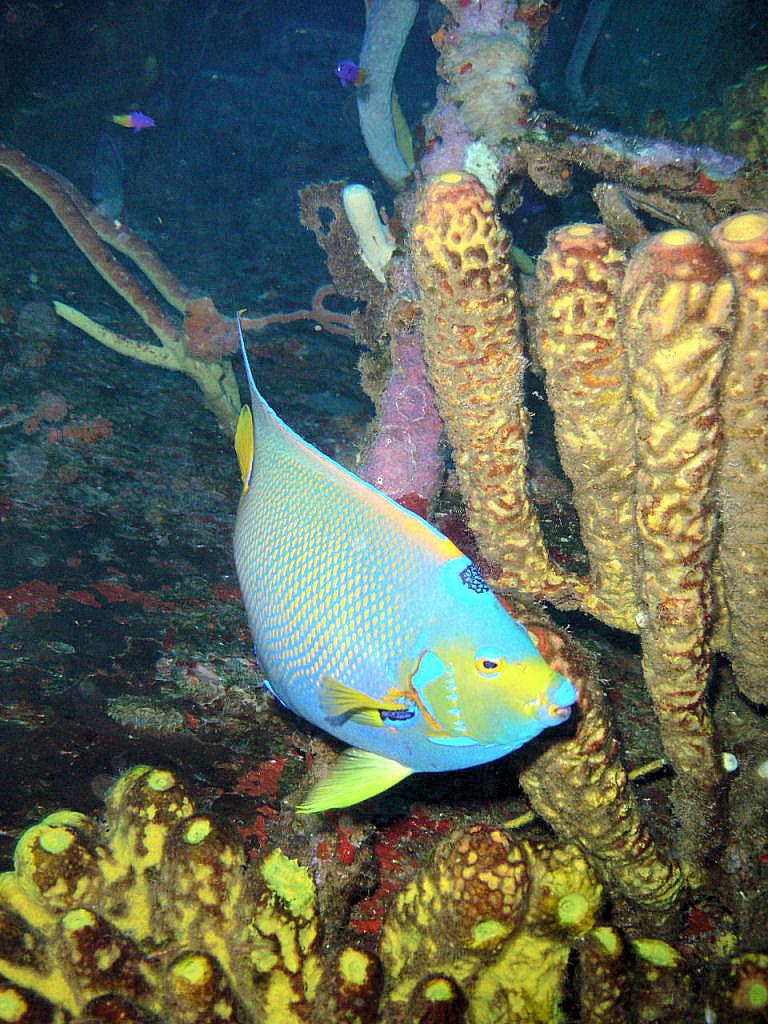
(356, 775)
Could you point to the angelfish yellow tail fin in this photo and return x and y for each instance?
(356, 775)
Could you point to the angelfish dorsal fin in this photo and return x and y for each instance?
(356, 775)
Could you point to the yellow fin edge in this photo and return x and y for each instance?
(244, 444)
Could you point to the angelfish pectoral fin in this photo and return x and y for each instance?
(340, 701)
(356, 775)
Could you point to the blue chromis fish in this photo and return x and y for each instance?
(135, 119)
(371, 624)
(349, 74)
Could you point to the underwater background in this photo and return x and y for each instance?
(123, 637)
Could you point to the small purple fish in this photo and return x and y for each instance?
(349, 74)
(136, 120)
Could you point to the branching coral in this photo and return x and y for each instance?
(195, 346)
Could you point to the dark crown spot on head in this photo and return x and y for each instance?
(472, 578)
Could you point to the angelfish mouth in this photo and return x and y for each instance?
(560, 699)
(559, 714)
(551, 714)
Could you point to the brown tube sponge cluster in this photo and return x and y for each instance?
(743, 472)
(473, 348)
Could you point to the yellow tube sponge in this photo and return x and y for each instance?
(20, 1006)
(494, 919)
(742, 480)
(604, 989)
(472, 344)
(156, 917)
(59, 860)
(437, 999)
(578, 280)
(98, 959)
(142, 807)
(200, 884)
(351, 987)
(282, 935)
(580, 787)
(676, 311)
(197, 992)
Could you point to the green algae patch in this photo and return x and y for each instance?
(56, 840)
(756, 995)
(487, 933)
(573, 910)
(608, 939)
(77, 919)
(160, 781)
(192, 969)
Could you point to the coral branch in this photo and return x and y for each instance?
(328, 319)
(67, 206)
(196, 346)
(166, 356)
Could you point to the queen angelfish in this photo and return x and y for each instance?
(371, 624)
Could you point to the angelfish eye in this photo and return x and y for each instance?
(488, 663)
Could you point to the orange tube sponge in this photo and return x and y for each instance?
(676, 314)
(497, 917)
(473, 348)
(580, 787)
(743, 468)
(579, 278)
